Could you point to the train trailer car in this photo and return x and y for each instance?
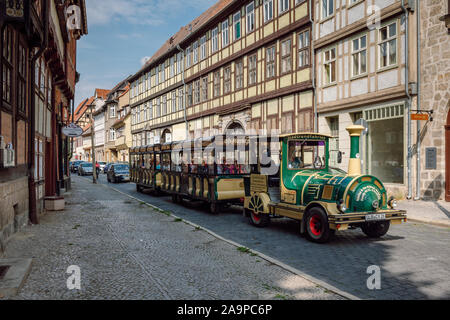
(207, 170)
(145, 167)
(303, 187)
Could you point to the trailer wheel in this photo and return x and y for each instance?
(257, 217)
(317, 227)
(138, 188)
(376, 229)
(259, 220)
(214, 207)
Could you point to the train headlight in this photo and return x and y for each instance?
(341, 206)
(392, 203)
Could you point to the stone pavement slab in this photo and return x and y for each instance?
(431, 212)
(15, 276)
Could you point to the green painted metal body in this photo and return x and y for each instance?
(362, 193)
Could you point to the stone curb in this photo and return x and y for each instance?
(444, 224)
(261, 255)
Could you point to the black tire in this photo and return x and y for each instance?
(138, 188)
(376, 229)
(175, 198)
(259, 220)
(317, 227)
(214, 207)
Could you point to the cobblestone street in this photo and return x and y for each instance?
(413, 257)
(126, 250)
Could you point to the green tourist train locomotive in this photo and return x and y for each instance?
(305, 188)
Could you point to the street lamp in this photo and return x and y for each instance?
(94, 171)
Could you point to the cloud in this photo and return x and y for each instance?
(139, 12)
(144, 60)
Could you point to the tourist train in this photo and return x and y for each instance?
(292, 179)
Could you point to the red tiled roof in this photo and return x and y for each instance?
(102, 93)
(185, 31)
(82, 108)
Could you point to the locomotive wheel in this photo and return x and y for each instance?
(256, 213)
(317, 227)
(376, 229)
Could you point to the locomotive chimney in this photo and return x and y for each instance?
(354, 165)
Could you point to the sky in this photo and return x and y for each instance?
(123, 33)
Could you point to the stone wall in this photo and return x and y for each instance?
(14, 208)
(435, 95)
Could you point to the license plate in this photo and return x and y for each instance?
(376, 217)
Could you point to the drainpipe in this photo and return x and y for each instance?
(418, 100)
(184, 92)
(408, 101)
(313, 69)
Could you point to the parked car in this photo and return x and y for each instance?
(118, 172)
(106, 168)
(85, 168)
(74, 166)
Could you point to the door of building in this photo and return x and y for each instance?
(447, 158)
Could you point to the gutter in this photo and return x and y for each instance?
(418, 100)
(408, 101)
(313, 69)
(184, 92)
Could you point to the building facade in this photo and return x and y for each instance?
(111, 111)
(241, 65)
(38, 74)
(122, 126)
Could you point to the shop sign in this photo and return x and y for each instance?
(72, 131)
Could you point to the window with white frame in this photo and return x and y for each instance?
(112, 112)
(225, 34)
(303, 49)
(239, 75)
(158, 107)
(174, 101)
(252, 64)
(203, 48)
(387, 45)
(149, 81)
(138, 114)
(270, 62)
(327, 8)
(150, 109)
(359, 55)
(189, 95)
(179, 62)
(163, 73)
(205, 88)
(156, 76)
(144, 111)
(216, 84)
(214, 40)
(268, 10)
(172, 66)
(286, 57)
(112, 134)
(180, 99)
(188, 57)
(329, 65)
(195, 52)
(250, 17)
(299, 1)
(197, 91)
(227, 80)
(237, 25)
(283, 6)
(164, 105)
